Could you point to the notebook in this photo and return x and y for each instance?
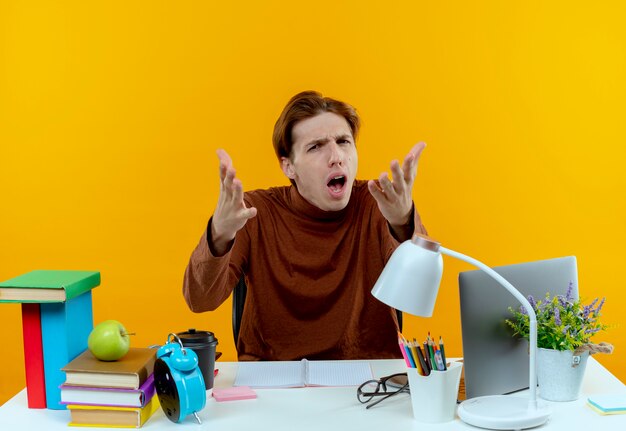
(296, 374)
(495, 362)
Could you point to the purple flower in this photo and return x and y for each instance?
(597, 310)
(557, 317)
(586, 311)
(562, 301)
(532, 302)
(522, 310)
(564, 330)
(568, 295)
(592, 330)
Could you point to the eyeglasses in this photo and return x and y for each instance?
(378, 388)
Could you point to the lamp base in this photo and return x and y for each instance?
(502, 412)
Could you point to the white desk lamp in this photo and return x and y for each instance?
(410, 282)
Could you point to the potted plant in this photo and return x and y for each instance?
(564, 330)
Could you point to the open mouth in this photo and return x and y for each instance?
(336, 184)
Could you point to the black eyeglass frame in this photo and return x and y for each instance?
(365, 397)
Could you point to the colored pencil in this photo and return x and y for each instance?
(401, 344)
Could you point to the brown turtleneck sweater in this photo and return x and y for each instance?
(309, 274)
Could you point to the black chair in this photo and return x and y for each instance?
(239, 300)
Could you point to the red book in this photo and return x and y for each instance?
(33, 356)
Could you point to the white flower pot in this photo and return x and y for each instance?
(560, 374)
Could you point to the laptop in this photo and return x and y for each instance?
(495, 362)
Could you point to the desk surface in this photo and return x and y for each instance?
(325, 408)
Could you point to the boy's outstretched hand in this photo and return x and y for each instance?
(231, 213)
(395, 198)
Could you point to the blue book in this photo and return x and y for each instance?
(65, 327)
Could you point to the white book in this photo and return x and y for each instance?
(295, 374)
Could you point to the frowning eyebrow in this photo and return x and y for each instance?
(324, 140)
(344, 136)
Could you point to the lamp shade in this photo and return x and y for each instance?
(410, 280)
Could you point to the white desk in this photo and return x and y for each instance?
(324, 408)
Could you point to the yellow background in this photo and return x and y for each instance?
(111, 112)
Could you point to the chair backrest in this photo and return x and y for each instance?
(239, 301)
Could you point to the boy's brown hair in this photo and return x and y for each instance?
(305, 105)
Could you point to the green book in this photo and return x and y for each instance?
(48, 286)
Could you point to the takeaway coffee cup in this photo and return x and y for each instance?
(203, 343)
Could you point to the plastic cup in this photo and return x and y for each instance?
(203, 343)
(434, 396)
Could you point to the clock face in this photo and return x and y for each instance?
(166, 390)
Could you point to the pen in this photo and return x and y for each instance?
(443, 353)
(440, 365)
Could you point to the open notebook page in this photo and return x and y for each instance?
(338, 373)
(287, 374)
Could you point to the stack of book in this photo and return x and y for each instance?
(56, 319)
(111, 394)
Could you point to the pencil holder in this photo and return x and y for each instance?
(434, 396)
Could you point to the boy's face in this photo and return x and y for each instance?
(323, 161)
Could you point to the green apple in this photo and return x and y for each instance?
(109, 341)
